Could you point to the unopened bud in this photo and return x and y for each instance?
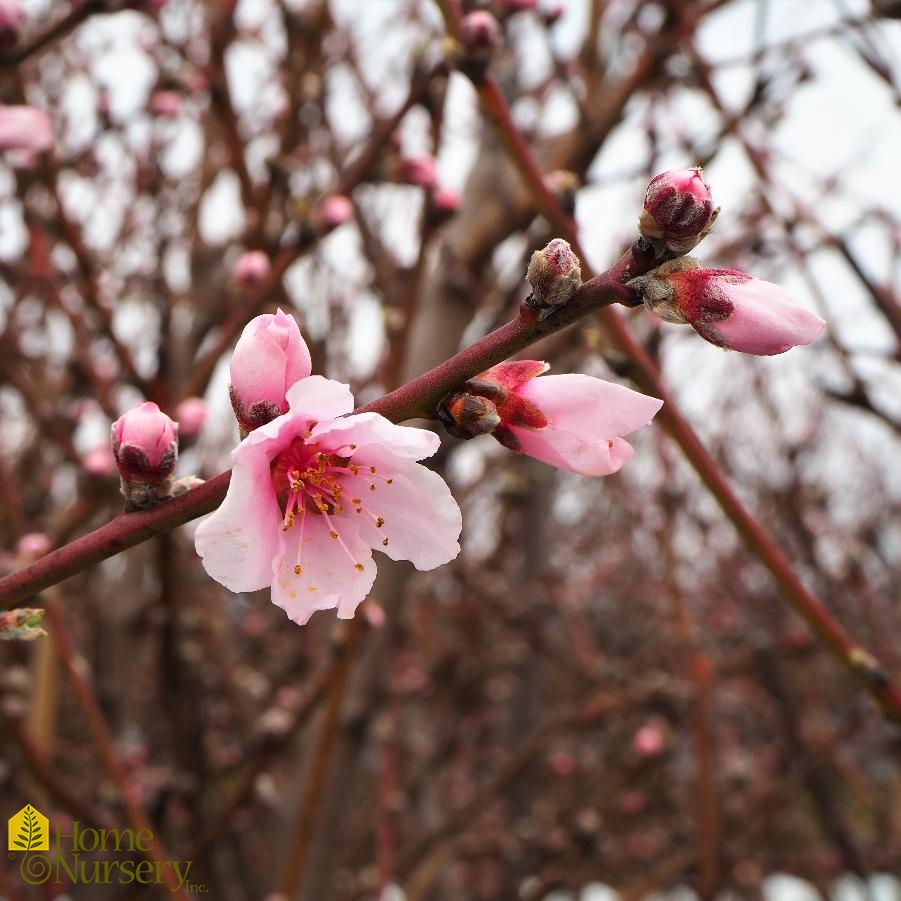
(678, 210)
(443, 203)
(33, 545)
(417, 170)
(480, 36)
(166, 103)
(9, 22)
(467, 416)
(334, 210)
(145, 445)
(191, 415)
(555, 275)
(251, 268)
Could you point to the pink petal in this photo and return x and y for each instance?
(329, 575)
(316, 398)
(238, 542)
(566, 450)
(513, 373)
(367, 429)
(765, 320)
(589, 408)
(422, 521)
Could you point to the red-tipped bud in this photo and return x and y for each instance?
(554, 274)
(334, 210)
(728, 308)
(145, 445)
(480, 33)
(678, 209)
(251, 268)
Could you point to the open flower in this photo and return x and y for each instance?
(269, 358)
(574, 422)
(728, 308)
(311, 495)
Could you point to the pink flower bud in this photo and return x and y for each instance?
(554, 274)
(677, 206)
(333, 211)
(446, 201)
(251, 268)
(9, 22)
(728, 308)
(480, 32)
(417, 170)
(166, 103)
(25, 128)
(33, 545)
(191, 415)
(99, 462)
(269, 358)
(651, 738)
(145, 445)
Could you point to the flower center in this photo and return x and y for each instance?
(309, 481)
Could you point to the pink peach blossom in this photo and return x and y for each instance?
(269, 358)
(251, 268)
(311, 495)
(25, 128)
(417, 170)
(574, 422)
(166, 103)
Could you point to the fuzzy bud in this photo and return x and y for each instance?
(555, 275)
(467, 416)
(145, 445)
(678, 210)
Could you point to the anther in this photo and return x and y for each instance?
(297, 570)
(359, 567)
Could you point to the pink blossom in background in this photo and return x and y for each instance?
(269, 358)
(445, 200)
(735, 310)
(311, 495)
(25, 128)
(251, 268)
(9, 22)
(574, 422)
(145, 443)
(191, 415)
(417, 170)
(99, 462)
(334, 210)
(33, 545)
(166, 103)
